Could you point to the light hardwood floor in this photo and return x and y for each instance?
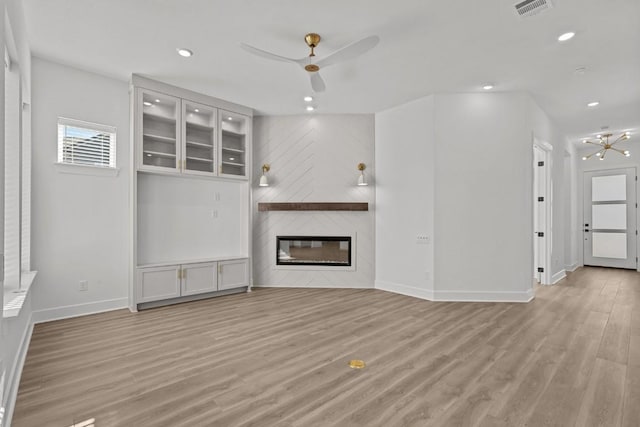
(278, 357)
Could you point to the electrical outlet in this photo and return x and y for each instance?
(217, 196)
(84, 285)
(423, 239)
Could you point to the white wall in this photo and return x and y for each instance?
(313, 158)
(405, 183)
(483, 202)
(80, 222)
(471, 157)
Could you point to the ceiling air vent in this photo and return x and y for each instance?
(532, 7)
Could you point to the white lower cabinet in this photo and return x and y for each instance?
(233, 274)
(173, 281)
(199, 278)
(157, 283)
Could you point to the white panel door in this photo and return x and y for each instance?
(610, 218)
(199, 278)
(157, 283)
(233, 274)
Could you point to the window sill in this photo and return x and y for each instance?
(86, 170)
(14, 297)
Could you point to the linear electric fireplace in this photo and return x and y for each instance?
(314, 250)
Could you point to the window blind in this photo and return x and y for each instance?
(87, 144)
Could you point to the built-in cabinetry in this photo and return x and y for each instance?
(190, 195)
(174, 281)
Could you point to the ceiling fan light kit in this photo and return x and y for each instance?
(309, 62)
(604, 145)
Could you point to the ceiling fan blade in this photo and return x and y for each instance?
(268, 55)
(349, 51)
(317, 84)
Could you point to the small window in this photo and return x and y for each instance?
(86, 144)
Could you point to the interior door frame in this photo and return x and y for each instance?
(544, 262)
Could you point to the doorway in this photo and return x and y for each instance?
(609, 233)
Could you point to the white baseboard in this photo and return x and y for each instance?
(314, 286)
(410, 291)
(455, 296)
(14, 376)
(572, 267)
(484, 296)
(558, 276)
(68, 311)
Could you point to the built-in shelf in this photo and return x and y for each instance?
(199, 144)
(231, 133)
(159, 118)
(198, 126)
(313, 206)
(232, 150)
(232, 164)
(199, 159)
(160, 138)
(160, 154)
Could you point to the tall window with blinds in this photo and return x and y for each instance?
(86, 144)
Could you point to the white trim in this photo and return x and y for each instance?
(548, 232)
(314, 286)
(558, 276)
(407, 290)
(484, 296)
(76, 310)
(76, 169)
(14, 378)
(572, 267)
(455, 296)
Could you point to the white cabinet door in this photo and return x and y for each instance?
(157, 283)
(233, 274)
(199, 278)
(158, 132)
(199, 136)
(234, 135)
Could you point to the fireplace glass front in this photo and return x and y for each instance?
(314, 250)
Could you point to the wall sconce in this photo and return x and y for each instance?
(361, 179)
(264, 182)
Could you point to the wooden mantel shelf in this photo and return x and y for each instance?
(314, 206)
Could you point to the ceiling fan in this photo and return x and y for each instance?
(309, 62)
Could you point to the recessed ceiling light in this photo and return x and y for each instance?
(598, 154)
(148, 155)
(147, 104)
(308, 98)
(310, 108)
(487, 87)
(599, 136)
(229, 118)
(196, 110)
(157, 101)
(593, 104)
(184, 52)
(566, 36)
(584, 141)
(580, 70)
(232, 158)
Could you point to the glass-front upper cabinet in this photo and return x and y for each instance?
(199, 138)
(158, 115)
(234, 133)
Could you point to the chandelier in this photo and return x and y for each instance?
(604, 145)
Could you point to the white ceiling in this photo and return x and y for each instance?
(427, 46)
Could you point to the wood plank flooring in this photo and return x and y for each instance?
(278, 357)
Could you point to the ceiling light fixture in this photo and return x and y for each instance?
(593, 104)
(308, 98)
(566, 36)
(196, 110)
(229, 118)
(157, 101)
(147, 104)
(310, 108)
(604, 145)
(184, 52)
(487, 87)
